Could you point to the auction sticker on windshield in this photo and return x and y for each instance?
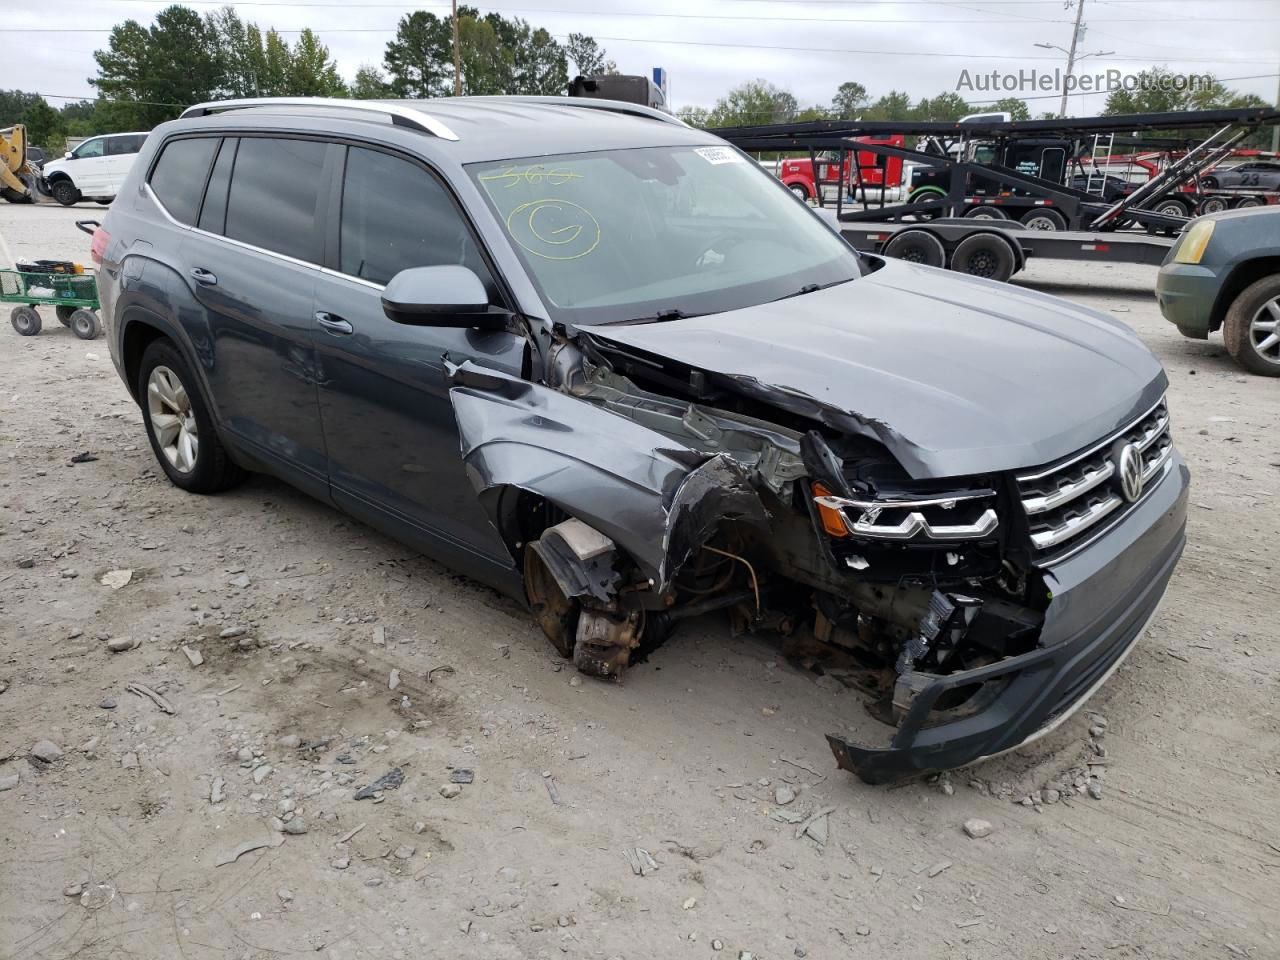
(719, 154)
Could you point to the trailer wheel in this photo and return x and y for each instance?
(1245, 202)
(25, 320)
(917, 246)
(982, 212)
(984, 255)
(1212, 205)
(1173, 208)
(1042, 219)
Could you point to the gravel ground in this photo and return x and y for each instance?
(117, 847)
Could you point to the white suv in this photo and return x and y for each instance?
(95, 169)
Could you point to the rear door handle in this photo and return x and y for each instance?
(332, 323)
(201, 275)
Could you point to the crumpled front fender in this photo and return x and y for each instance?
(655, 498)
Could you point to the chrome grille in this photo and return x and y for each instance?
(1085, 493)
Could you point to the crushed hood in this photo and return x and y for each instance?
(955, 375)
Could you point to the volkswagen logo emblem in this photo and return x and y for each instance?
(1130, 472)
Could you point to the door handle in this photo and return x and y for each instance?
(203, 276)
(333, 323)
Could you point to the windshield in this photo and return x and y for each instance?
(623, 235)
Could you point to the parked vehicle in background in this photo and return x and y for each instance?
(604, 362)
(1224, 274)
(37, 156)
(95, 169)
(860, 169)
(1263, 174)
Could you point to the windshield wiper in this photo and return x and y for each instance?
(662, 316)
(809, 288)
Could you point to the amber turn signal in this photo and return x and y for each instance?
(832, 519)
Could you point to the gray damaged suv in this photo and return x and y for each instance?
(605, 363)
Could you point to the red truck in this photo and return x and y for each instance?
(875, 171)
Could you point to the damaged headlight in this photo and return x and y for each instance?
(960, 516)
(903, 531)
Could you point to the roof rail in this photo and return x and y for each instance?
(593, 103)
(401, 116)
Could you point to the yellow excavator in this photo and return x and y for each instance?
(17, 176)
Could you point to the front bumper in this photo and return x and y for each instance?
(1103, 598)
(1186, 293)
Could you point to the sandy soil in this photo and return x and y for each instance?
(114, 849)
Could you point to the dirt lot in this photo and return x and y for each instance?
(114, 849)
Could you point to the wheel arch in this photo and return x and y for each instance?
(1242, 276)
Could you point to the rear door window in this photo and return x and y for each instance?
(179, 175)
(275, 196)
(120, 146)
(396, 215)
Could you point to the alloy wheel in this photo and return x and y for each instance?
(1264, 331)
(173, 422)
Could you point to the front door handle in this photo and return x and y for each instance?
(203, 276)
(333, 323)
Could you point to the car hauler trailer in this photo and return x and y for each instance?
(971, 231)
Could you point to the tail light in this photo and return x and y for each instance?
(98, 247)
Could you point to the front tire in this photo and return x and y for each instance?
(65, 192)
(1251, 330)
(84, 324)
(179, 423)
(800, 190)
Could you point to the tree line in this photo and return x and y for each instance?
(147, 75)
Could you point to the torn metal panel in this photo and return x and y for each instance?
(653, 497)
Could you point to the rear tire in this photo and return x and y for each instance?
(1040, 219)
(917, 246)
(25, 320)
(84, 324)
(179, 423)
(984, 212)
(65, 192)
(984, 255)
(1251, 330)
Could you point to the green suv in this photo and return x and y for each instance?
(1224, 273)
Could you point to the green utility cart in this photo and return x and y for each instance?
(65, 286)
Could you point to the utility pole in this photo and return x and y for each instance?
(457, 54)
(1071, 54)
(1275, 130)
(1071, 57)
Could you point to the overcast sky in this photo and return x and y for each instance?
(806, 46)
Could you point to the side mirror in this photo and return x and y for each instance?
(443, 296)
(67, 155)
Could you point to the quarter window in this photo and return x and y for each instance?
(396, 215)
(179, 176)
(213, 215)
(275, 194)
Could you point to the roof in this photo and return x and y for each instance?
(474, 129)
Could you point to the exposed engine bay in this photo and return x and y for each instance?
(715, 496)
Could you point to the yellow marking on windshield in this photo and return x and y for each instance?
(539, 226)
(513, 176)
